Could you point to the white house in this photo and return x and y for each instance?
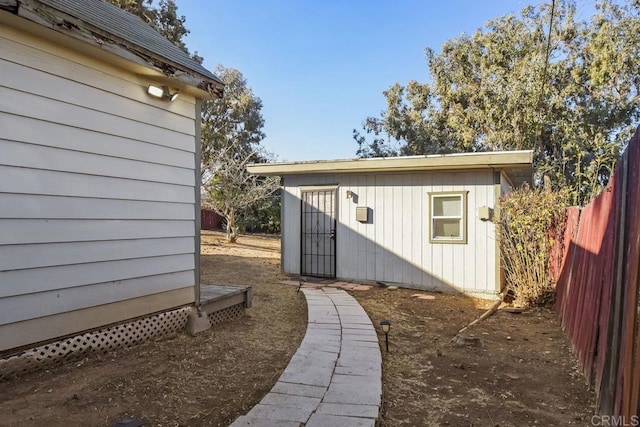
(423, 222)
(99, 165)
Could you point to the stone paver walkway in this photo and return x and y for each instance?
(335, 377)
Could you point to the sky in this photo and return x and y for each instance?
(320, 66)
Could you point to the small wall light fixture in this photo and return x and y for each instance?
(386, 327)
(349, 194)
(162, 92)
(485, 213)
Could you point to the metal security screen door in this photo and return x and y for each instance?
(318, 240)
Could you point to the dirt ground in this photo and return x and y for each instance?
(522, 374)
(206, 380)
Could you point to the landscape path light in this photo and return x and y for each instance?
(386, 327)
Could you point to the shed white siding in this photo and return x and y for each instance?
(394, 246)
(97, 193)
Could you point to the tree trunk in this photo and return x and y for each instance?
(232, 230)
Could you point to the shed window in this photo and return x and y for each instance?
(448, 217)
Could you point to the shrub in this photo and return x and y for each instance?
(262, 217)
(529, 225)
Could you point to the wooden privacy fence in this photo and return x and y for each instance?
(597, 287)
(210, 220)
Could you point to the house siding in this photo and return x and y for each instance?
(394, 246)
(97, 193)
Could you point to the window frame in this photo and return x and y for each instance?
(463, 217)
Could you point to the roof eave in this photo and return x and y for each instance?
(58, 21)
(499, 160)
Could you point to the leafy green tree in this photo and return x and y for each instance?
(171, 25)
(141, 8)
(231, 136)
(263, 216)
(235, 119)
(542, 80)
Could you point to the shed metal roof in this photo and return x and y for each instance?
(516, 164)
(115, 24)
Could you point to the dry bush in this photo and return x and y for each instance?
(529, 224)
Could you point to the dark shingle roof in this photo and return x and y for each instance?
(127, 27)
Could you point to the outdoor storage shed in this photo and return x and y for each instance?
(424, 222)
(99, 172)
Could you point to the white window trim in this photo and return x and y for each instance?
(463, 217)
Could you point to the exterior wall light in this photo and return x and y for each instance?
(386, 327)
(349, 194)
(162, 92)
